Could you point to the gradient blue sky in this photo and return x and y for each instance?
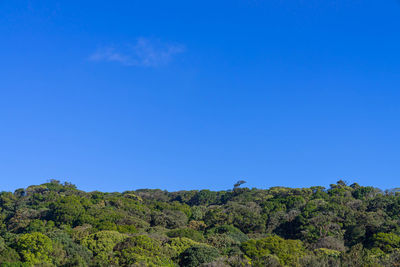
(118, 95)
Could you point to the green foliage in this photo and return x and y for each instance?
(197, 255)
(169, 218)
(67, 210)
(142, 250)
(75, 253)
(9, 255)
(289, 252)
(186, 232)
(102, 244)
(39, 226)
(230, 231)
(35, 248)
(126, 228)
(180, 244)
(198, 212)
(327, 252)
(226, 238)
(386, 241)
(204, 197)
(15, 264)
(224, 243)
(55, 224)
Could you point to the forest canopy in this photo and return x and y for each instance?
(55, 224)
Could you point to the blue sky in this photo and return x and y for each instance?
(119, 95)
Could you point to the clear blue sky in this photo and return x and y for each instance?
(118, 95)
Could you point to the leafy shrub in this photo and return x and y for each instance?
(35, 248)
(186, 232)
(179, 245)
(141, 250)
(386, 241)
(75, 253)
(230, 231)
(197, 255)
(102, 244)
(288, 252)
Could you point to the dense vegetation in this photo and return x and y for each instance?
(55, 224)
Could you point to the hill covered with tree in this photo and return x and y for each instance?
(56, 224)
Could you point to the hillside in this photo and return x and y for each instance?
(56, 224)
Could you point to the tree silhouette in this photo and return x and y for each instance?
(239, 183)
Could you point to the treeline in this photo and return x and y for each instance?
(56, 224)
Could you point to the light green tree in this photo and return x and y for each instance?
(35, 248)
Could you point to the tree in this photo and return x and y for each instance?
(67, 210)
(388, 242)
(35, 248)
(197, 255)
(288, 252)
(76, 254)
(230, 231)
(142, 250)
(239, 183)
(186, 232)
(102, 244)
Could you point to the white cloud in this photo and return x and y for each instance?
(145, 52)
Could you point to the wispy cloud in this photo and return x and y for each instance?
(145, 52)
